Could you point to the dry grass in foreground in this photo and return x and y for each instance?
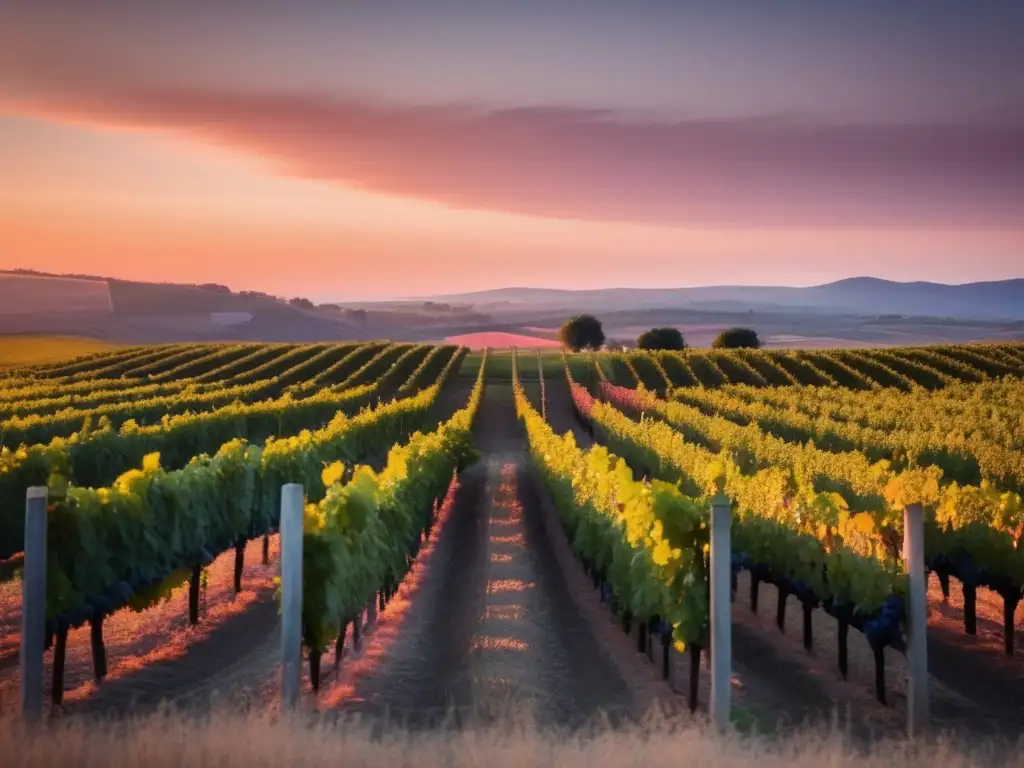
(169, 739)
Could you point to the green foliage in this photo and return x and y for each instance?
(430, 366)
(737, 338)
(786, 514)
(359, 536)
(650, 542)
(661, 338)
(821, 476)
(159, 592)
(99, 453)
(581, 332)
(151, 521)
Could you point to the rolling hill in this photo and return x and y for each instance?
(846, 313)
(999, 300)
(138, 312)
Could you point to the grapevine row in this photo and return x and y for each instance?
(428, 368)
(987, 410)
(644, 545)
(113, 546)
(971, 532)
(931, 436)
(362, 537)
(97, 457)
(48, 400)
(783, 531)
(43, 427)
(199, 375)
(904, 368)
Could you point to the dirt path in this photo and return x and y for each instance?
(532, 650)
(156, 655)
(968, 694)
(414, 667)
(976, 667)
(493, 627)
(560, 413)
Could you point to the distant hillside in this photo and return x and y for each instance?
(24, 294)
(846, 313)
(1000, 300)
(128, 311)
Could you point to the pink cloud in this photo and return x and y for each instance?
(592, 164)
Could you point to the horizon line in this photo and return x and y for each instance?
(28, 271)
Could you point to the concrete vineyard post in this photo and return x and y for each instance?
(721, 611)
(917, 620)
(292, 502)
(33, 604)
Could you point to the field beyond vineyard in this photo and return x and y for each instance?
(514, 537)
(34, 350)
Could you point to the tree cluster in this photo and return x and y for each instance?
(737, 338)
(661, 338)
(582, 332)
(585, 332)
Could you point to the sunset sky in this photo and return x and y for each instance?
(375, 149)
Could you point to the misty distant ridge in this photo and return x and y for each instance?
(1001, 299)
(854, 312)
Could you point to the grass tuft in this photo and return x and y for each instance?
(230, 739)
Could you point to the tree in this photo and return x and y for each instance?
(737, 338)
(661, 338)
(581, 332)
(302, 303)
(215, 288)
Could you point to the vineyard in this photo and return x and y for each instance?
(518, 525)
